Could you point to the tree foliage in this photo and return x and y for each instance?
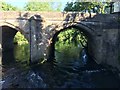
(96, 7)
(7, 7)
(20, 39)
(38, 6)
(43, 6)
(70, 42)
(72, 36)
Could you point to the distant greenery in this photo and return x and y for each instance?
(42, 6)
(68, 50)
(22, 53)
(70, 43)
(20, 39)
(38, 6)
(32, 6)
(96, 7)
(72, 36)
(7, 7)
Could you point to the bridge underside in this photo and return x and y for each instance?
(51, 50)
(8, 38)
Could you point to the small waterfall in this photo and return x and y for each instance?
(84, 57)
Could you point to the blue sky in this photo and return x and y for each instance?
(18, 3)
(21, 3)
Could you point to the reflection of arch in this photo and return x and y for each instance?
(88, 32)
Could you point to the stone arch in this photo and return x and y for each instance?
(88, 32)
(17, 28)
(12, 26)
(8, 33)
(82, 26)
(36, 37)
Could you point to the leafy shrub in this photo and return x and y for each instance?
(20, 39)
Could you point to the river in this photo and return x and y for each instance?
(63, 72)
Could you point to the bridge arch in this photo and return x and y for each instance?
(8, 33)
(87, 31)
(11, 26)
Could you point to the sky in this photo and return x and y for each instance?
(21, 3)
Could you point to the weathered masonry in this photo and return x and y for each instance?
(102, 31)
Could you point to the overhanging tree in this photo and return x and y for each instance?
(95, 7)
(38, 6)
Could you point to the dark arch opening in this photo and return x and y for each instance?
(84, 32)
(10, 49)
(8, 34)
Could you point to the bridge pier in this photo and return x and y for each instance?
(38, 41)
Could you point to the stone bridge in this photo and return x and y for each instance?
(41, 29)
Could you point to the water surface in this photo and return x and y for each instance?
(63, 72)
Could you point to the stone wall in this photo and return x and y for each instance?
(103, 32)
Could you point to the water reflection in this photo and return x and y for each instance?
(64, 72)
(21, 53)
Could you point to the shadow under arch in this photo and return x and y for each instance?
(8, 34)
(87, 32)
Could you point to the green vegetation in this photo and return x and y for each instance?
(7, 7)
(22, 53)
(70, 43)
(42, 6)
(68, 50)
(20, 39)
(72, 36)
(38, 6)
(96, 7)
(32, 6)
